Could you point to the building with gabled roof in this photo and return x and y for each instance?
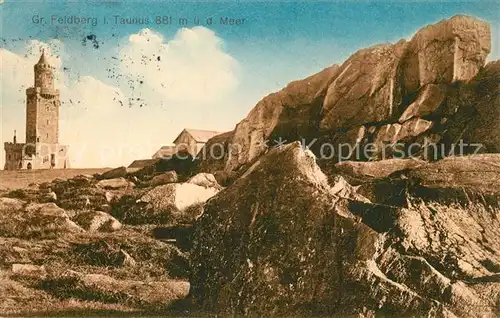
(188, 140)
(200, 136)
(192, 140)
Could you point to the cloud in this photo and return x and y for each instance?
(93, 122)
(146, 36)
(190, 68)
(17, 70)
(97, 117)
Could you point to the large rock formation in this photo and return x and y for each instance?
(299, 102)
(282, 241)
(363, 90)
(432, 89)
(474, 111)
(453, 180)
(448, 51)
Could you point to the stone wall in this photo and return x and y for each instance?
(48, 155)
(13, 155)
(44, 156)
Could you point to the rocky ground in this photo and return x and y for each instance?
(89, 245)
(413, 240)
(280, 230)
(396, 231)
(393, 237)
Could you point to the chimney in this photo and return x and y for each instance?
(15, 139)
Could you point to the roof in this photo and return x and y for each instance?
(199, 135)
(141, 163)
(165, 151)
(43, 59)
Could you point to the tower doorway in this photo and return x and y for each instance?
(52, 160)
(29, 166)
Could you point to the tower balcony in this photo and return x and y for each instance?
(45, 92)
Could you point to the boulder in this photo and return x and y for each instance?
(97, 221)
(453, 180)
(119, 172)
(79, 193)
(474, 112)
(276, 273)
(40, 220)
(28, 269)
(44, 185)
(461, 179)
(114, 184)
(164, 178)
(17, 298)
(248, 140)
(102, 252)
(206, 180)
(443, 53)
(294, 245)
(363, 90)
(164, 204)
(72, 284)
(82, 180)
(465, 238)
(10, 204)
(176, 199)
(106, 208)
(374, 169)
(430, 97)
(110, 196)
(215, 153)
(413, 128)
(128, 261)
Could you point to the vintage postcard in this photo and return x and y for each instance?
(250, 158)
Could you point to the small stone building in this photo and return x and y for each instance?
(193, 140)
(189, 140)
(41, 149)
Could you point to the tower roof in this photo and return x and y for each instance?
(43, 59)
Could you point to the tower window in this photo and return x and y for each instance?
(47, 121)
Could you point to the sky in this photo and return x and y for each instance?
(133, 74)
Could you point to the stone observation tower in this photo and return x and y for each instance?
(42, 149)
